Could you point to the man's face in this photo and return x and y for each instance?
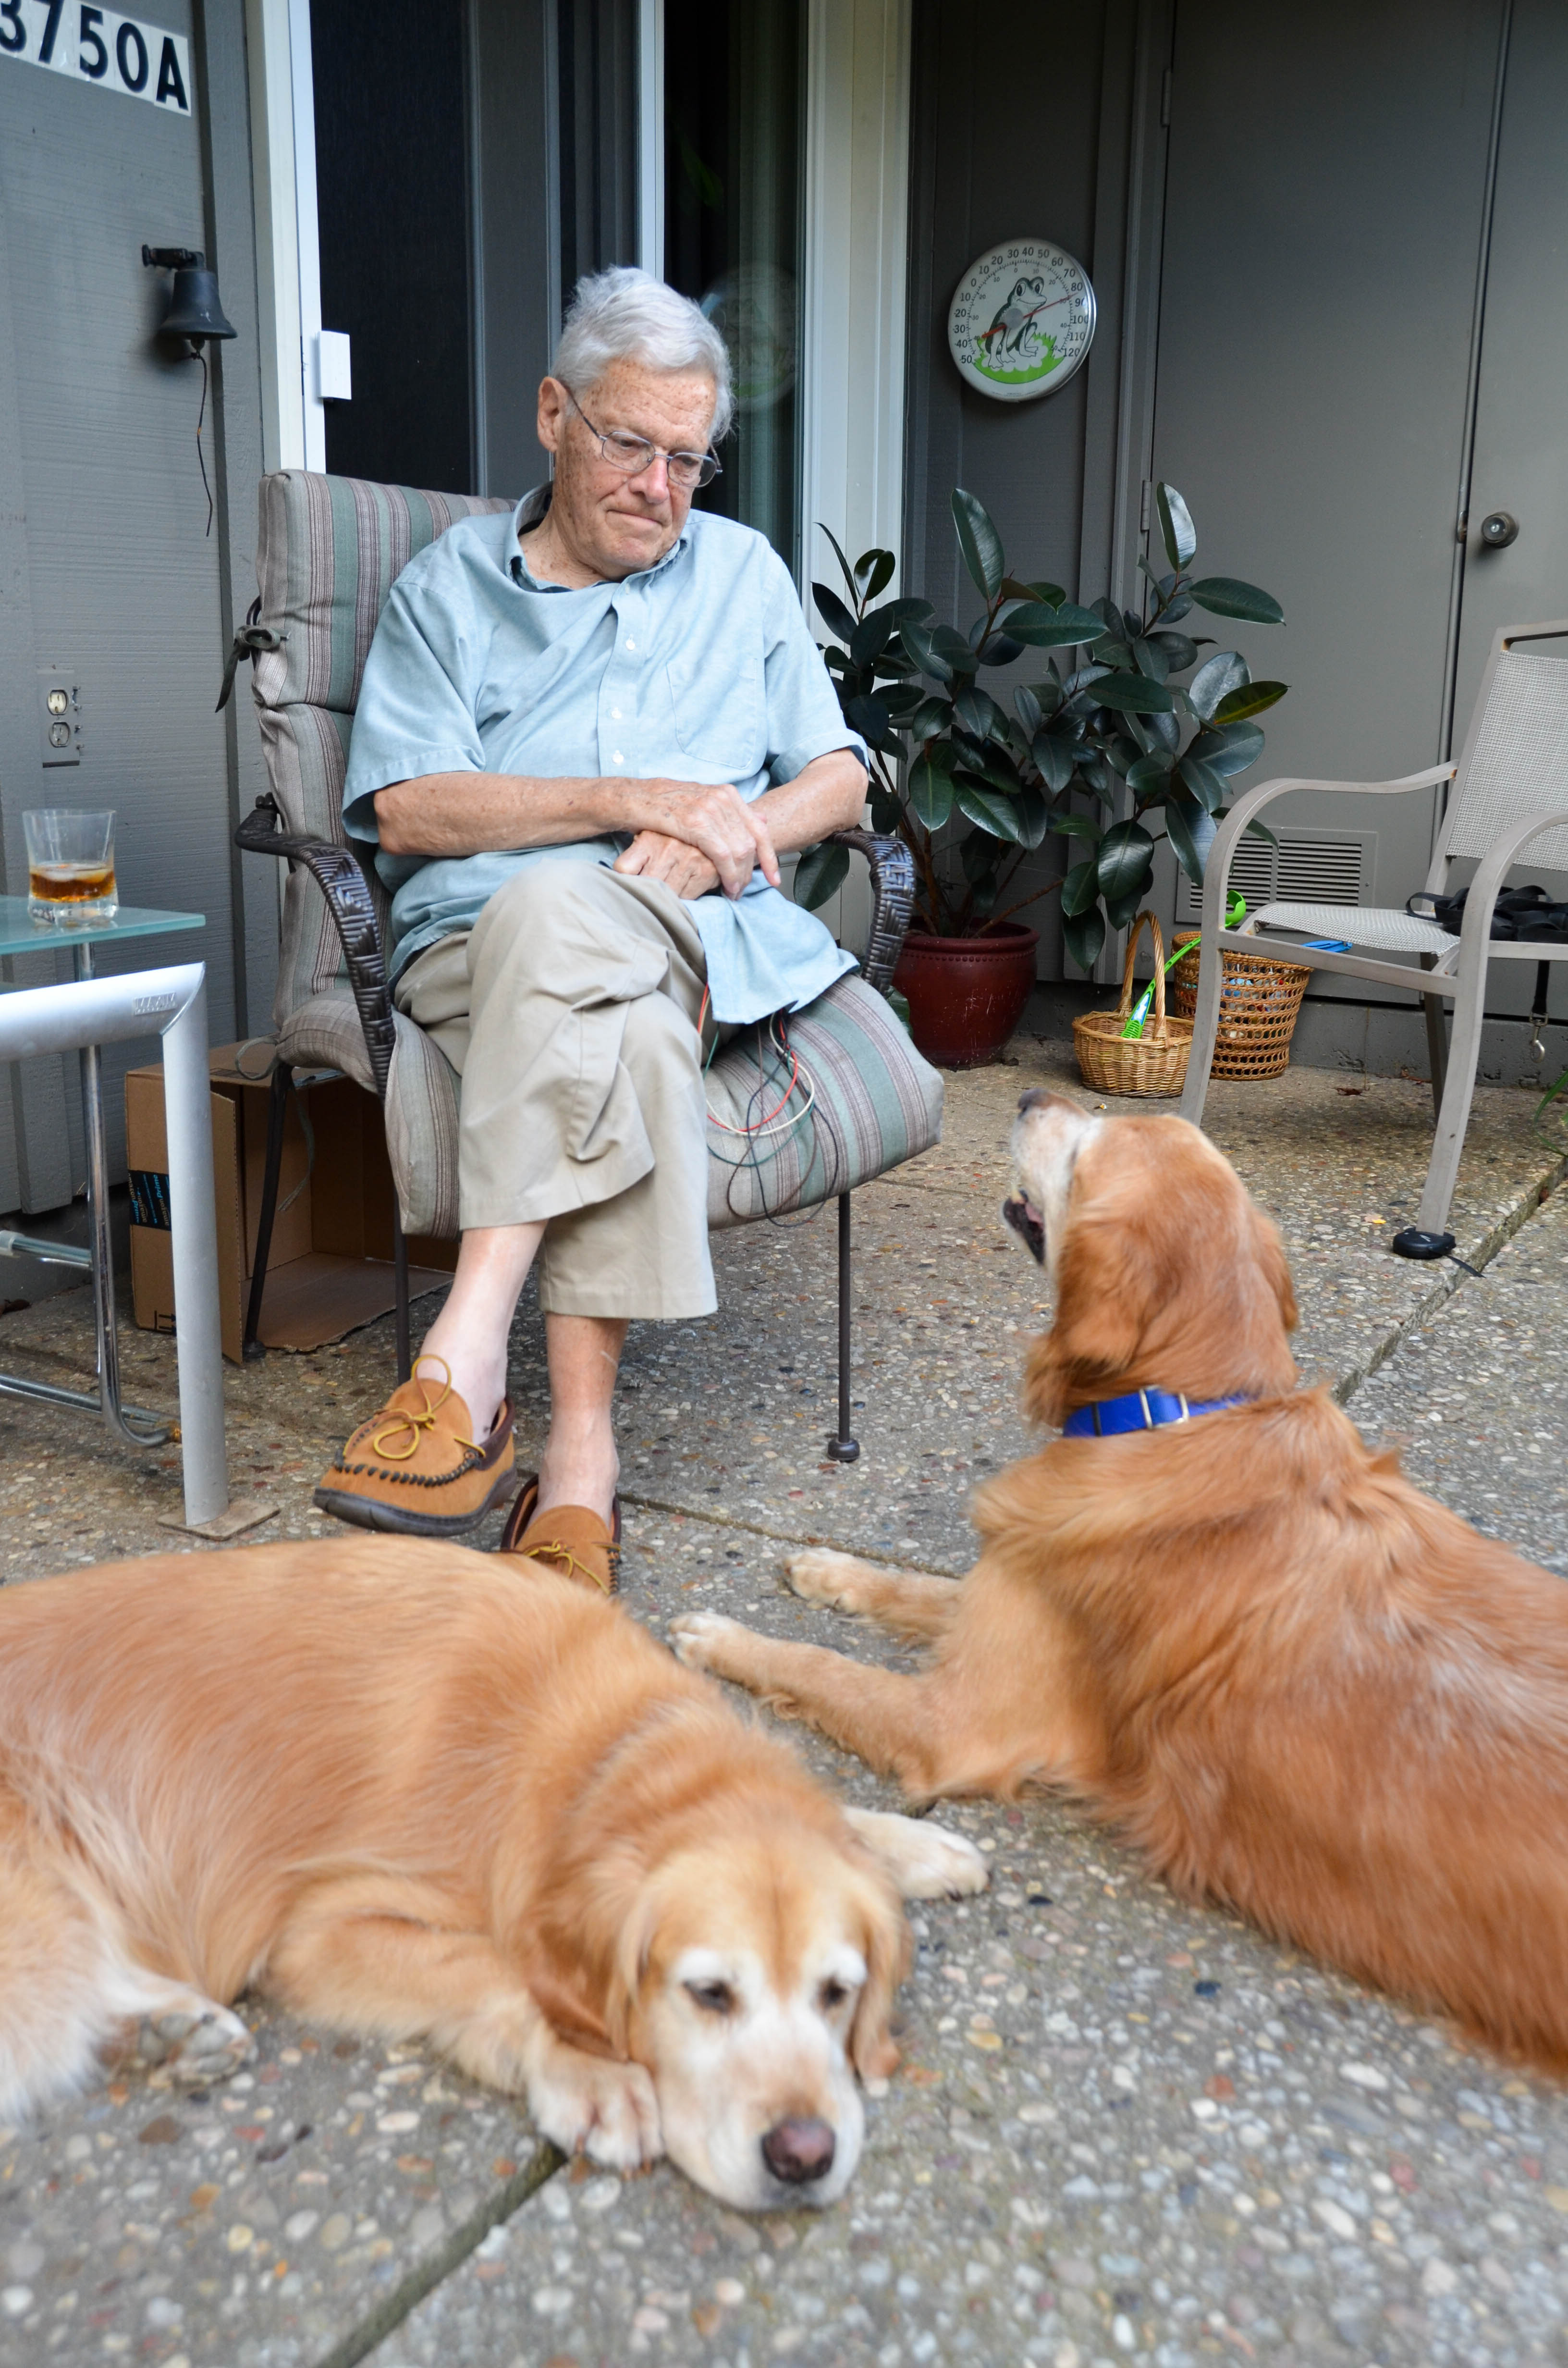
(613, 523)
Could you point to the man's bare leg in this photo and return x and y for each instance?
(470, 1333)
(580, 1465)
(469, 1336)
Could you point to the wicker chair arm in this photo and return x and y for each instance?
(337, 873)
(892, 900)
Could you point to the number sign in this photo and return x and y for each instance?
(93, 45)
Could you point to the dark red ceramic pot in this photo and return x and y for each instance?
(966, 995)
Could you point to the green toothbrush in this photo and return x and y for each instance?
(1235, 914)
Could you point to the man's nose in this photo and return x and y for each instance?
(653, 482)
(799, 2151)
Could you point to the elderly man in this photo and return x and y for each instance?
(587, 734)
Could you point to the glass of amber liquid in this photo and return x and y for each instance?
(70, 865)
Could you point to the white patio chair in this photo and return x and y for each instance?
(1510, 793)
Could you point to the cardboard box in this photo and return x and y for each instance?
(330, 1268)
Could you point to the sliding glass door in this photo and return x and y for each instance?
(733, 73)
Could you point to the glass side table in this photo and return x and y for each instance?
(20, 934)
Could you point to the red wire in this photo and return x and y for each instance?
(757, 1126)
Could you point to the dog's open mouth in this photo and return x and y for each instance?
(1028, 1223)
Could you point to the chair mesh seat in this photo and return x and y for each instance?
(1388, 930)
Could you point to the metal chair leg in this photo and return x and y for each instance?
(400, 1279)
(841, 1448)
(1436, 1050)
(1429, 1237)
(277, 1115)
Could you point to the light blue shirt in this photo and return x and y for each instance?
(698, 670)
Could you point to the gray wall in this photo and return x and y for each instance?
(1291, 331)
(106, 568)
(1064, 143)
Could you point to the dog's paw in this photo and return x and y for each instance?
(585, 2104)
(941, 1865)
(925, 1861)
(837, 1580)
(704, 1640)
(194, 2047)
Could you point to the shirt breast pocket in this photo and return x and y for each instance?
(721, 713)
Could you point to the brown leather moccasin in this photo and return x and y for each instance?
(414, 1469)
(568, 1538)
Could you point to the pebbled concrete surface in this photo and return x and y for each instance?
(1123, 2129)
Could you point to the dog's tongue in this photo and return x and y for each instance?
(1026, 1221)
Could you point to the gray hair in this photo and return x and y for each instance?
(624, 314)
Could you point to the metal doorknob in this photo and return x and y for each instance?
(1499, 528)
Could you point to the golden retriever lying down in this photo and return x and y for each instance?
(1298, 1684)
(410, 1789)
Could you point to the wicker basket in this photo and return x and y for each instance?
(1155, 1063)
(1258, 1003)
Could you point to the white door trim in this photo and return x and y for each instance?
(857, 242)
(651, 136)
(288, 250)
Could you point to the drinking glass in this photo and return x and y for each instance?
(70, 865)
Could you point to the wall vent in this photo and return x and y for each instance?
(1308, 867)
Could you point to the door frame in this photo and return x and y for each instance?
(287, 245)
(856, 256)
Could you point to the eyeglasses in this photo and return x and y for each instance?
(632, 454)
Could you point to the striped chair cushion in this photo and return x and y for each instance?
(875, 1102)
(329, 551)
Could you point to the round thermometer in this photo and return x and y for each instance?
(1021, 320)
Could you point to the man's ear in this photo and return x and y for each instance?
(888, 1950)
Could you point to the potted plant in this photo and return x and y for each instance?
(1104, 751)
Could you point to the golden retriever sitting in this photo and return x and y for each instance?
(1295, 1682)
(423, 1793)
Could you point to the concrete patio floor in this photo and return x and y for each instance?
(1121, 2129)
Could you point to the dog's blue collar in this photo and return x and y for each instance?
(1141, 1410)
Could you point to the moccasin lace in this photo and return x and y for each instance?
(554, 1550)
(401, 1419)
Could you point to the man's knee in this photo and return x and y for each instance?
(660, 1040)
(553, 922)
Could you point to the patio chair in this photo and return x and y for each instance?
(1510, 793)
(328, 552)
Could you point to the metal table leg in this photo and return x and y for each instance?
(91, 1012)
(127, 1423)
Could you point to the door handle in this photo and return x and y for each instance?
(1499, 528)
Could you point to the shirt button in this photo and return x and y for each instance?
(615, 715)
(632, 645)
(616, 757)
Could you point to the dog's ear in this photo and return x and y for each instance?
(1109, 1285)
(588, 1933)
(633, 1950)
(888, 1950)
(1274, 1267)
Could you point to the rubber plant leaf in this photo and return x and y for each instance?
(834, 615)
(1237, 705)
(980, 543)
(930, 791)
(1226, 596)
(820, 870)
(1176, 530)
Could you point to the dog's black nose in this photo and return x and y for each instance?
(1033, 1098)
(799, 2151)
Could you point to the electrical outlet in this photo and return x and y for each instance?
(59, 715)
